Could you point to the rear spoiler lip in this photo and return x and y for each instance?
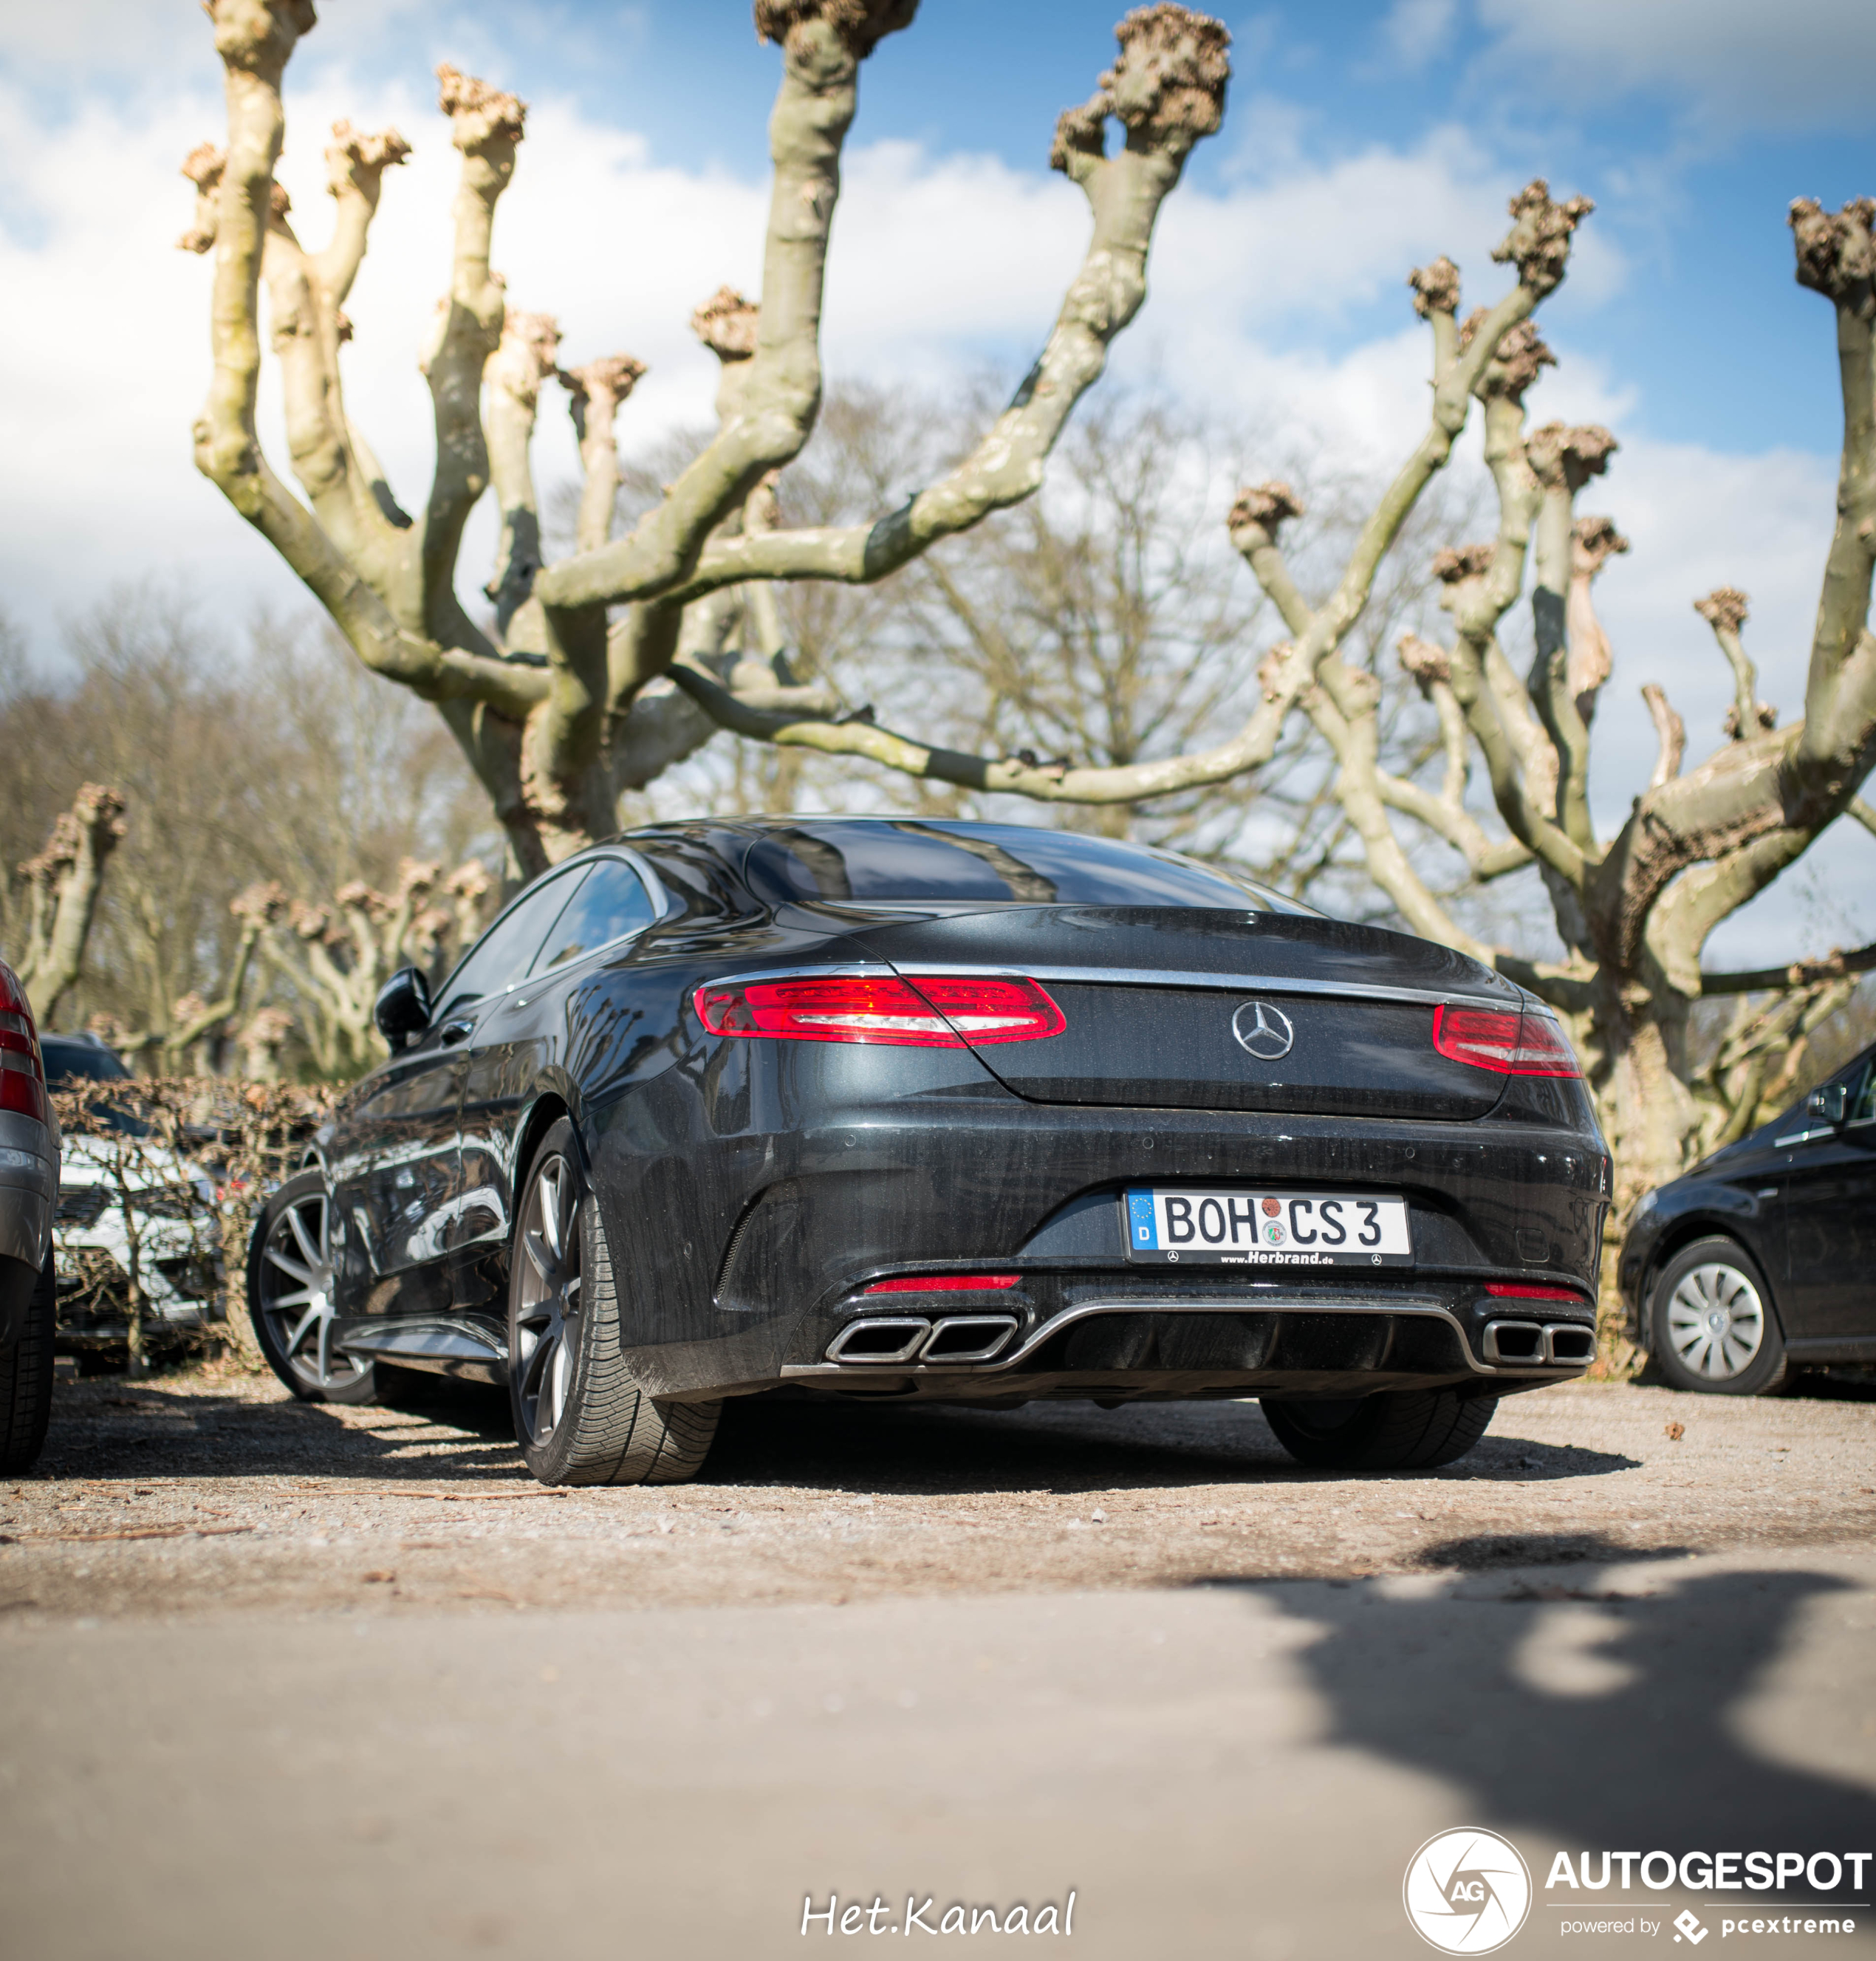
(1132, 977)
(1231, 983)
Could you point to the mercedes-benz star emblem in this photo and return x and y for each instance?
(1264, 1031)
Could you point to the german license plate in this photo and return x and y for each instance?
(1187, 1224)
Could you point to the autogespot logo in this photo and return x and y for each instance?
(1467, 1891)
(1262, 1030)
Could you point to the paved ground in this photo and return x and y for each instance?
(278, 1680)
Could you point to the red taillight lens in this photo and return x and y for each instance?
(1527, 1290)
(991, 1010)
(22, 1072)
(944, 1283)
(1503, 1041)
(926, 1011)
(23, 1094)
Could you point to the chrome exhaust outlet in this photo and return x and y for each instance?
(1569, 1346)
(969, 1337)
(1509, 1344)
(881, 1340)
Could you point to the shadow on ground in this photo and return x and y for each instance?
(1066, 1447)
(461, 1432)
(1631, 1740)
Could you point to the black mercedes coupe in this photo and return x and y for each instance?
(945, 1112)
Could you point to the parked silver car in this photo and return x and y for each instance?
(176, 1247)
(29, 1195)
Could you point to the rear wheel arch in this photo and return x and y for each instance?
(547, 1110)
(1681, 1234)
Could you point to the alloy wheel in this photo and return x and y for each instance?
(1716, 1322)
(296, 1295)
(548, 1301)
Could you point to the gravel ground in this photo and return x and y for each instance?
(198, 1493)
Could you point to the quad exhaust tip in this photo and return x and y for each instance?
(1531, 1344)
(954, 1337)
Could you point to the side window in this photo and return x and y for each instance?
(610, 903)
(501, 956)
(1862, 1097)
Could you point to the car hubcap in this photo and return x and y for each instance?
(548, 1299)
(296, 1295)
(1716, 1322)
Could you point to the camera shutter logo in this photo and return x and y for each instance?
(1263, 1030)
(1467, 1891)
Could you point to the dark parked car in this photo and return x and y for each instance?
(1763, 1258)
(29, 1191)
(965, 1113)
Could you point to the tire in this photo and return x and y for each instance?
(290, 1297)
(1399, 1429)
(581, 1417)
(1712, 1327)
(26, 1378)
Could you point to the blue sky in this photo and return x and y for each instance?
(1693, 161)
(1361, 139)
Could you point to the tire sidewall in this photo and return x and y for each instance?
(1766, 1370)
(302, 1184)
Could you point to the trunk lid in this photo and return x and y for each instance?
(1175, 1008)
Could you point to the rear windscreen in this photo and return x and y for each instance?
(882, 862)
(73, 1061)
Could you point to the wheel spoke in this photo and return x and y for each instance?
(554, 1384)
(297, 1299)
(534, 1376)
(303, 1274)
(312, 1315)
(539, 1256)
(325, 1349)
(536, 1315)
(308, 1251)
(550, 1208)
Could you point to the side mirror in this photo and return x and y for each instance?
(402, 1009)
(1828, 1105)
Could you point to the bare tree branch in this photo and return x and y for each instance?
(1670, 730)
(1725, 610)
(1167, 89)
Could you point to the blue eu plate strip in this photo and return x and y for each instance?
(1140, 1227)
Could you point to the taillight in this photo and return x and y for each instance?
(1530, 1290)
(22, 1072)
(991, 1010)
(1504, 1041)
(944, 1283)
(927, 1011)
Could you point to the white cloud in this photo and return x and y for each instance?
(1752, 65)
(103, 347)
(1416, 31)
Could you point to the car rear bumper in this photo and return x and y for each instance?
(28, 1183)
(746, 1252)
(1126, 1336)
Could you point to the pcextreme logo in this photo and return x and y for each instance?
(1467, 1891)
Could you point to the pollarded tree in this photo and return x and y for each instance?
(1635, 911)
(543, 702)
(62, 884)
